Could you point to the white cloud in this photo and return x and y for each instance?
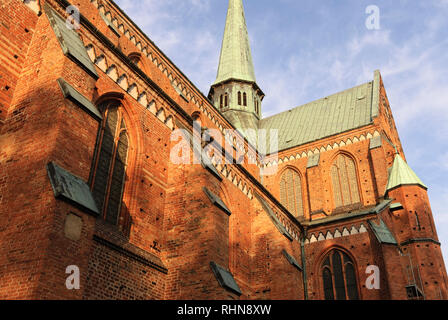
(368, 40)
(438, 199)
(441, 3)
(174, 27)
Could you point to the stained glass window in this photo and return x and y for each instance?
(109, 171)
(339, 277)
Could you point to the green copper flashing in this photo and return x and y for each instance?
(71, 189)
(110, 24)
(70, 42)
(225, 278)
(382, 232)
(291, 260)
(402, 174)
(235, 61)
(396, 206)
(72, 94)
(217, 201)
(375, 142)
(273, 217)
(313, 161)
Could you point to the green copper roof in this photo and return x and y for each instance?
(216, 200)
(71, 189)
(73, 94)
(382, 232)
(402, 174)
(235, 61)
(70, 42)
(225, 278)
(244, 122)
(340, 112)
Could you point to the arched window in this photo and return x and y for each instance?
(221, 101)
(245, 99)
(345, 182)
(109, 170)
(339, 277)
(226, 100)
(136, 58)
(239, 98)
(291, 192)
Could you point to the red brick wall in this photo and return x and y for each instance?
(273, 277)
(28, 139)
(176, 230)
(318, 185)
(16, 30)
(426, 254)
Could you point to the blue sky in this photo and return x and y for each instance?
(304, 50)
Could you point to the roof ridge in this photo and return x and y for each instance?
(317, 100)
(339, 112)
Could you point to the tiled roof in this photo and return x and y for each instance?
(340, 112)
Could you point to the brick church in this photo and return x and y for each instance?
(93, 204)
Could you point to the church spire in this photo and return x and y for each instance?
(235, 92)
(235, 61)
(402, 174)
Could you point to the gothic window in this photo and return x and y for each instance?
(221, 101)
(256, 105)
(291, 192)
(226, 100)
(239, 98)
(109, 170)
(245, 99)
(345, 182)
(339, 277)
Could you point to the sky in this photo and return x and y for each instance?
(304, 50)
